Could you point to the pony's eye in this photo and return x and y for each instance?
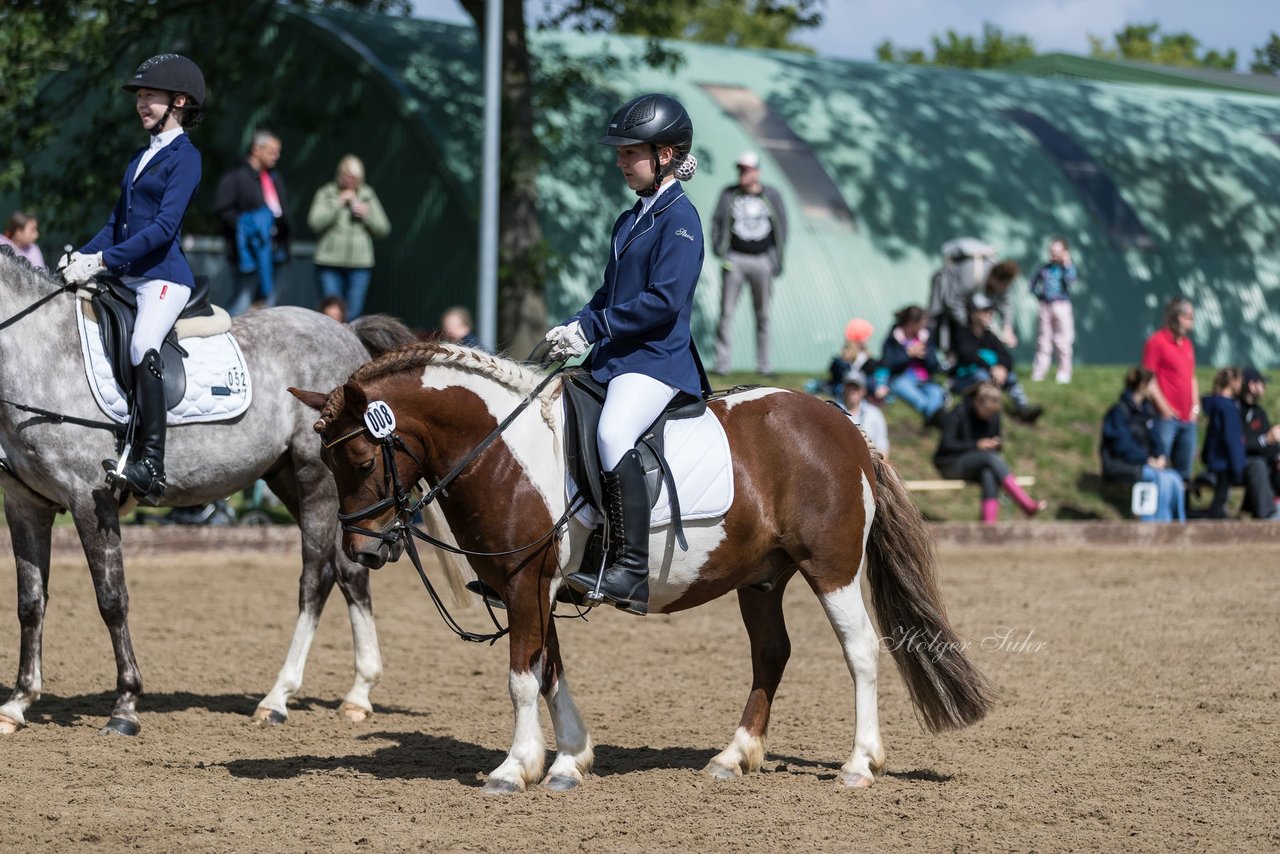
(366, 466)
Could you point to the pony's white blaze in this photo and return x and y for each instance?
(861, 646)
(672, 571)
(529, 438)
(747, 396)
(523, 765)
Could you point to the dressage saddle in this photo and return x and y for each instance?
(584, 399)
(116, 308)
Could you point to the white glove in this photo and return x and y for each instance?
(553, 336)
(572, 342)
(82, 268)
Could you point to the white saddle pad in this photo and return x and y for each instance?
(697, 450)
(218, 385)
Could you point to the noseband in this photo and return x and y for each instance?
(401, 498)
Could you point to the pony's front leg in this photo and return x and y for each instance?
(29, 529)
(529, 615)
(574, 753)
(99, 530)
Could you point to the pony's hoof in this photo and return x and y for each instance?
(561, 783)
(716, 771)
(498, 786)
(120, 726)
(8, 726)
(355, 714)
(268, 717)
(852, 780)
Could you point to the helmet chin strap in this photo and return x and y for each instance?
(158, 127)
(658, 174)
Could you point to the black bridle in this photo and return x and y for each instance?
(398, 495)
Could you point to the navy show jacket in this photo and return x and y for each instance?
(143, 237)
(639, 318)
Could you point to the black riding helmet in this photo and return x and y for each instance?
(655, 120)
(176, 74)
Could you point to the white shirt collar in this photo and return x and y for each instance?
(647, 202)
(160, 140)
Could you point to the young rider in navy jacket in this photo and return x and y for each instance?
(639, 323)
(141, 243)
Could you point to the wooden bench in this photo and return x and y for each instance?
(943, 485)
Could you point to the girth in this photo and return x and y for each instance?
(584, 399)
(116, 308)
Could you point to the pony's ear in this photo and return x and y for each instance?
(354, 400)
(315, 399)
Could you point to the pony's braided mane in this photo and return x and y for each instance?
(25, 266)
(516, 376)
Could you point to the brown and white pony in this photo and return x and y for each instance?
(811, 497)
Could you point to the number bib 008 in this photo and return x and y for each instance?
(379, 418)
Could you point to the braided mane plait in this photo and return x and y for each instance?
(516, 376)
(25, 266)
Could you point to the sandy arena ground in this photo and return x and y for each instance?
(1139, 710)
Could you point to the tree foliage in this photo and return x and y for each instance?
(1146, 43)
(769, 24)
(996, 48)
(1266, 59)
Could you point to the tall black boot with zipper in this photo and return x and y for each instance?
(144, 474)
(626, 579)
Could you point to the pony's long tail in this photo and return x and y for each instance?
(381, 333)
(945, 685)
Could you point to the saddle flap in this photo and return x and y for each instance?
(116, 309)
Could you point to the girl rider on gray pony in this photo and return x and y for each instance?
(141, 243)
(638, 322)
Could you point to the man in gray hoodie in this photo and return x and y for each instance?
(748, 234)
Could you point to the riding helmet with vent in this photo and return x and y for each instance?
(169, 72)
(653, 119)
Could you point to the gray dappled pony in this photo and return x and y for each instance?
(58, 466)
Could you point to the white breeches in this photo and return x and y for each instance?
(159, 304)
(631, 404)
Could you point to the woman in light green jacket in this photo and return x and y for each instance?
(346, 215)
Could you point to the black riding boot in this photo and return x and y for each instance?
(626, 580)
(144, 475)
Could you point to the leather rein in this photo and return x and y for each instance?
(400, 496)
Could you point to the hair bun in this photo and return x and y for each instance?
(687, 167)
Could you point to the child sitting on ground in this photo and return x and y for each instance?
(1223, 452)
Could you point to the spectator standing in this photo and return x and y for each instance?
(253, 206)
(1129, 448)
(1223, 452)
(346, 216)
(1170, 355)
(21, 233)
(910, 360)
(456, 327)
(966, 263)
(1261, 449)
(969, 449)
(866, 416)
(980, 356)
(748, 234)
(1051, 285)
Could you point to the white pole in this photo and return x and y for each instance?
(487, 298)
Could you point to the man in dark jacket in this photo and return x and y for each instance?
(252, 204)
(748, 234)
(980, 356)
(1261, 447)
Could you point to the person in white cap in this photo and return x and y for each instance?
(748, 234)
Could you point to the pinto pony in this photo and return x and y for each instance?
(811, 498)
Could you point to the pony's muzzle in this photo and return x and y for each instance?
(372, 553)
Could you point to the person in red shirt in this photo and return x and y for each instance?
(1170, 355)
